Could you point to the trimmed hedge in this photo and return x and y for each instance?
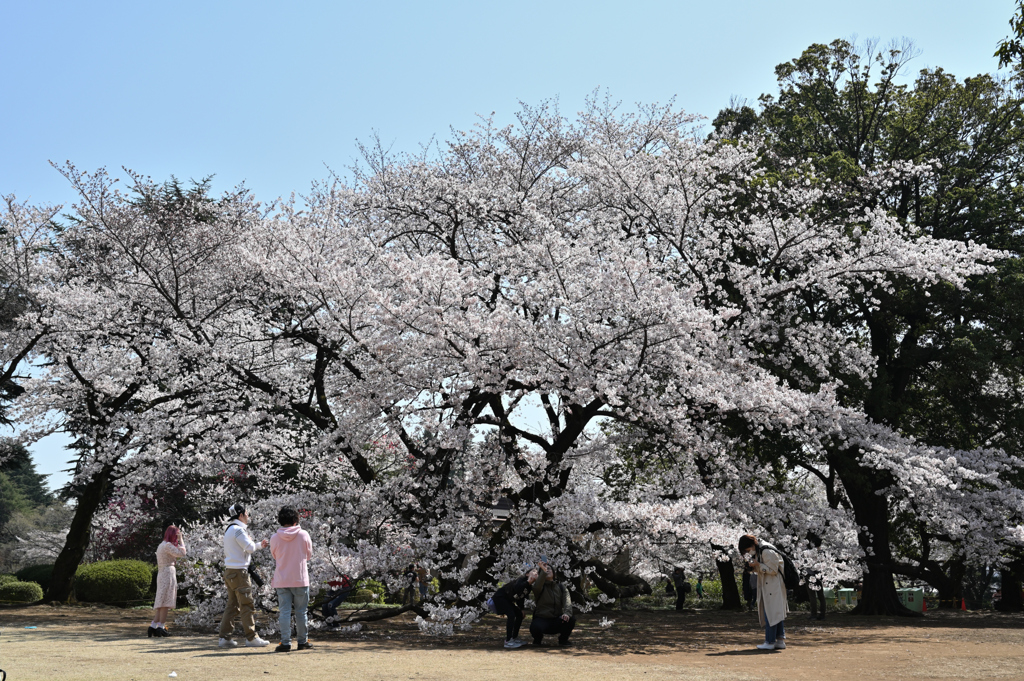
(40, 574)
(7, 579)
(113, 581)
(21, 592)
(362, 596)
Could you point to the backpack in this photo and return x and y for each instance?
(790, 576)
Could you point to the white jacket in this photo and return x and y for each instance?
(772, 601)
(238, 546)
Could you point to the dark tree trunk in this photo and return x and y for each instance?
(871, 511)
(951, 589)
(727, 575)
(1010, 586)
(92, 495)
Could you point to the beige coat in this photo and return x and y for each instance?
(771, 589)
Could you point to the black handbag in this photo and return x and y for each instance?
(253, 574)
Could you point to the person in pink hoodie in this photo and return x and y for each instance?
(291, 548)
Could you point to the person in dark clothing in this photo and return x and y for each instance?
(816, 594)
(682, 587)
(509, 600)
(749, 588)
(336, 595)
(553, 614)
(409, 595)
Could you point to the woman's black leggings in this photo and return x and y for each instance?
(514, 614)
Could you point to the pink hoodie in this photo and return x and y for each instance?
(291, 548)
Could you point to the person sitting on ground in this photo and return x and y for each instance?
(291, 548)
(171, 549)
(553, 611)
(509, 600)
(772, 605)
(338, 591)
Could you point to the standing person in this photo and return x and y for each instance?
(170, 549)
(700, 587)
(424, 581)
(509, 600)
(409, 595)
(553, 612)
(816, 594)
(291, 548)
(682, 586)
(772, 606)
(749, 587)
(238, 550)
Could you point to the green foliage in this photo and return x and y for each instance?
(7, 579)
(21, 592)
(377, 590)
(21, 471)
(40, 574)
(113, 581)
(12, 500)
(363, 596)
(1011, 49)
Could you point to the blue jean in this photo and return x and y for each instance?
(772, 632)
(286, 597)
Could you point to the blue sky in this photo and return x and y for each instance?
(274, 93)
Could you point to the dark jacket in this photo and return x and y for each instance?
(552, 598)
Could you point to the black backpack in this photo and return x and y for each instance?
(790, 576)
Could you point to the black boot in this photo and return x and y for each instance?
(152, 632)
(161, 632)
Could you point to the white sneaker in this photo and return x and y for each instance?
(766, 646)
(513, 644)
(257, 643)
(780, 645)
(519, 641)
(227, 643)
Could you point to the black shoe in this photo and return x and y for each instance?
(305, 646)
(283, 648)
(161, 632)
(564, 644)
(536, 643)
(152, 632)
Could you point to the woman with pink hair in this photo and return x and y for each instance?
(171, 549)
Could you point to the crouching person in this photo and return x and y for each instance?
(553, 614)
(291, 548)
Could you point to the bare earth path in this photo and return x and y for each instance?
(79, 643)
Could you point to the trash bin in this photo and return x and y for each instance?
(912, 599)
(847, 597)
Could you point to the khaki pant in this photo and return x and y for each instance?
(239, 601)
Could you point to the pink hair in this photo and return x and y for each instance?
(172, 535)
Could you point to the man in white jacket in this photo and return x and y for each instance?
(238, 549)
(772, 603)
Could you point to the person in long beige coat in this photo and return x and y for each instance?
(772, 603)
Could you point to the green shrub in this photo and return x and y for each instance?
(362, 596)
(7, 579)
(113, 581)
(40, 574)
(372, 585)
(21, 592)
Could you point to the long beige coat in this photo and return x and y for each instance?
(771, 589)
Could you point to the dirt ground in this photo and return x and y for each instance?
(94, 643)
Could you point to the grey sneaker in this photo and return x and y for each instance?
(227, 643)
(513, 644)
(780, 645)
(766, 646)
(257, 643)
